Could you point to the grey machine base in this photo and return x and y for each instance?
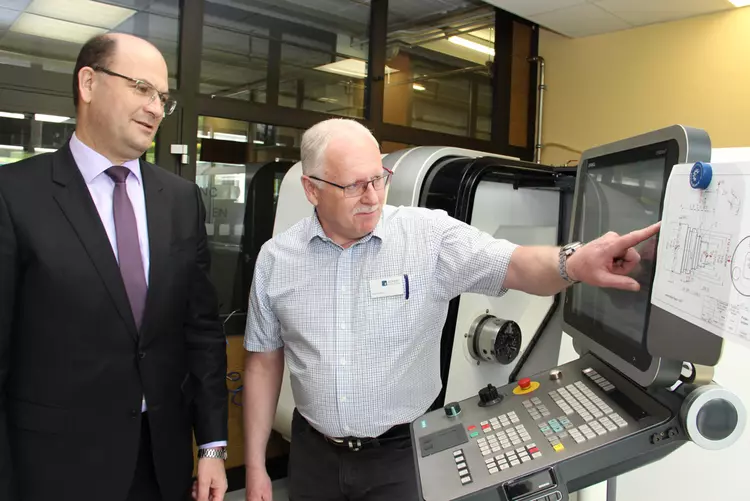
(586, 426)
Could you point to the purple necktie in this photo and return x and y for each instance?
(128, 244)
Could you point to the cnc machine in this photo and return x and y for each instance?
(640, 390)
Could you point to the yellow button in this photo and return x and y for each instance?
(558, 447)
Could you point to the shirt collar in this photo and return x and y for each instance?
(92, 164)
(315, 229)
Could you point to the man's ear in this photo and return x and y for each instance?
(311, 190)
(86, 84)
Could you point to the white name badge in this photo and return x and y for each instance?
(385, 287)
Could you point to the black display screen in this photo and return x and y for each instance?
(621, 192)
(529, 485)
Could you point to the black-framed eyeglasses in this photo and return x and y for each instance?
(145, 90)
(360, 187)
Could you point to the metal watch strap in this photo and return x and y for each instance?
(565, 253)
(213, 453)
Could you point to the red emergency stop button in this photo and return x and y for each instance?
(525, 383)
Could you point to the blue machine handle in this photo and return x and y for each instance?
(700, 175)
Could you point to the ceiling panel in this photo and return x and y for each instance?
(569, 21)
(642, 12)
(7, 17)
(525, 8)
(14, 4)
(579, 18)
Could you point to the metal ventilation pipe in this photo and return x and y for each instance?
(540, 108)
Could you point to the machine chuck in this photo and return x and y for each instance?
(494, 340)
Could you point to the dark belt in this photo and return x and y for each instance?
(398, 432)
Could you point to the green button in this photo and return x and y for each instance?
(424, 424)
(474, 434)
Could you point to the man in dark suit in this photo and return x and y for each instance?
(111, 351)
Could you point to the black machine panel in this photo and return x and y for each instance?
(621, 192)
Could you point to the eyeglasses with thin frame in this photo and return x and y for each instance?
(145, 90)
(360, 187)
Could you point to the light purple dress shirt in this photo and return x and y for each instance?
(92, 166)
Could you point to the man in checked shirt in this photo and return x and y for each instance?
(355, 297)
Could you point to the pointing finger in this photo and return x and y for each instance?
(635, 237)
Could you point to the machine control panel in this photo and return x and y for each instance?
(514, 444)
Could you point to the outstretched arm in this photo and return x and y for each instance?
(603, 262)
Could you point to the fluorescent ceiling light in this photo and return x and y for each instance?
(40, 117)
(45, 150)
(417, 86)
(356, 68)
(473, 45)
(84, 12)
(45, 27)
(740, 3)
(5, 114)
(11, 147)
(230, 137)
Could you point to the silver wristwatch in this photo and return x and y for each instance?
(565, 253)
(213, 453)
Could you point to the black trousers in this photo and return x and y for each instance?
(145, 486)
(322, 471)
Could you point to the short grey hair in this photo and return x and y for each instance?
(315, 141)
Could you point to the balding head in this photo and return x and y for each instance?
(120, 84)
(316, 142)
(343, 177)
(101, 51)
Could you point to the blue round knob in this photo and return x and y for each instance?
(700, 175)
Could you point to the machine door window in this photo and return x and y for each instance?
(239, 172)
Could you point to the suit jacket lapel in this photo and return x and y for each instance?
(158, 214)
(74, 199)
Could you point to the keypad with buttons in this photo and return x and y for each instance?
(486, 446)
(594, 376)
(463, 469)
(579, 399)
(504, 439)
(536, 408)
(511, 458)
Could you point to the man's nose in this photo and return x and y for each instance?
(370, 193)
(155, 108)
